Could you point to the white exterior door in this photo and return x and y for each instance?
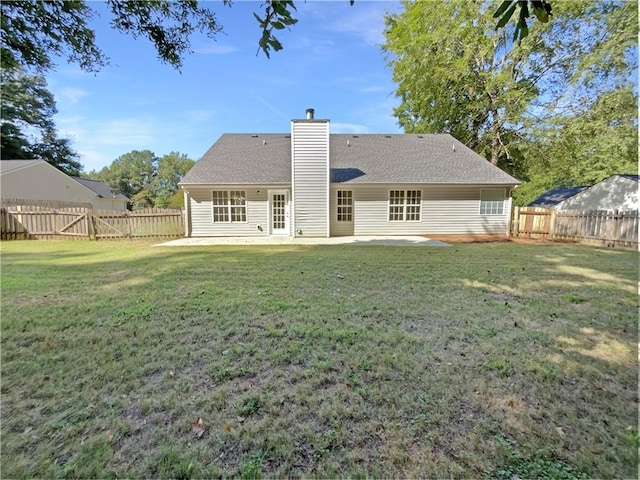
(279, 212)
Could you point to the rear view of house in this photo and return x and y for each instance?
(309, 182)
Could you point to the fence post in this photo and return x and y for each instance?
(615, 230)
(552, 225)
(515, 221)
(129, 225)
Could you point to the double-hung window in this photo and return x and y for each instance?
(405, 205)
(344, 206)
(229, 206)
(492, 201)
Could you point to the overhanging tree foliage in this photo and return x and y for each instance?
(538, 107)
(457, 75)
(27, 127)
(33, 32)
(540, 8)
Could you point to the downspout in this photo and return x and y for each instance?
(510, 217)
(292, 209)
(187, 213)
(328, 214)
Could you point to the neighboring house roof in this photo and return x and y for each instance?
(102, 190)
(630, 177)
(364, 158)
(554, 196)
(99, 188)
(7, 166)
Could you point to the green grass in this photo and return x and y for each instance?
(478, 360)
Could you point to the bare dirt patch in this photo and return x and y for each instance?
(484, 239)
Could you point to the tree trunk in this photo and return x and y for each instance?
(495, 137)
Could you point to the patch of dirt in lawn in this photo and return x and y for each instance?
(506, 297)
(484, 239)
(129, 447)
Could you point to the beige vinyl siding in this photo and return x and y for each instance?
(456, 210)
(109, 204)
(201, 213)
(446, 209)
(613, 193)
(310, 177)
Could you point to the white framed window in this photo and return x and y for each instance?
(413, 204)
(492, 201)
(229, 206)
(405, 205)
(344, 206)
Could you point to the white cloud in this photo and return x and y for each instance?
(127, 131)
(93, 159)
(314, 47)
(270, 106)
(364, 20)
(71, 95)
(215, 49)
(194, 117)
(69, 121)
(375, 89)
(100, 142)
(338, 127)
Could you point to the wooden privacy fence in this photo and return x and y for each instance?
(45, 221)
(612, 229)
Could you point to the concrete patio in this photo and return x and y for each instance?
(400, 241)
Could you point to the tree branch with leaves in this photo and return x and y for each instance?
(540, 8)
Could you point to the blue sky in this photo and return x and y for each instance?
(331, 61)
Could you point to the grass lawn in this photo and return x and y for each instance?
(476, 360)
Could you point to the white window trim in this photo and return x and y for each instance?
(229, 206)
(504, 197)
(343, 206)
(404, 205)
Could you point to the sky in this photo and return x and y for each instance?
(332, 61)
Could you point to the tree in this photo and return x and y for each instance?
(32, 32)
(591, 130)
(585, 149)
(170, 170)
(132, 175)
(456, 75)
(58, 152)
(533, 107)
(27, 126)
(147, 180)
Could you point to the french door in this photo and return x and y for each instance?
(279, 212)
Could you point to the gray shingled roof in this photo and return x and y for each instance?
(630, 176)
(364, 158)
(244, 158)
(99, 188)
(552, 197)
